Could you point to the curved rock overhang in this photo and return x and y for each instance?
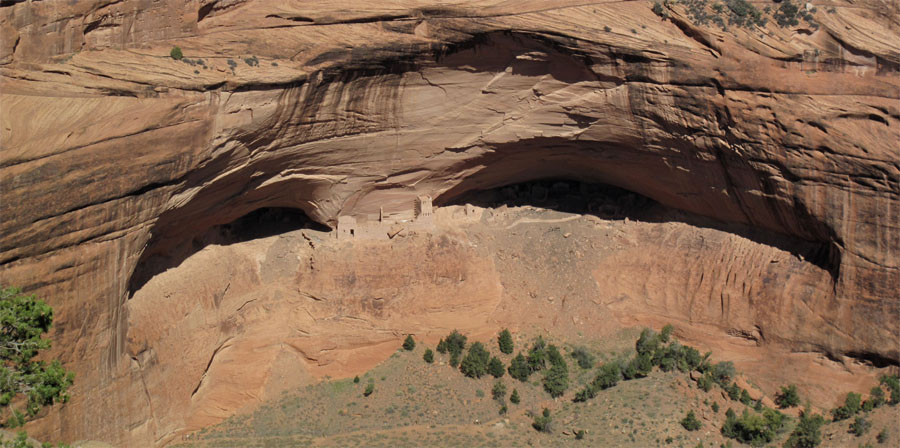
(506, 107)
(455, 103)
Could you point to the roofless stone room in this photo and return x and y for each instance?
(480, 223)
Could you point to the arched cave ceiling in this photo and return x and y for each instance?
(113, 151)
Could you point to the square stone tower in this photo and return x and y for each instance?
(423, 209)
(346, 227)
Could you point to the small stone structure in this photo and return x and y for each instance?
(346, 227)
(383, 226)
(423, 209)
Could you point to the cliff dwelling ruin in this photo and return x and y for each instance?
(420, 217)
(229, 202)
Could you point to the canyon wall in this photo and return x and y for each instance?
(114, 154)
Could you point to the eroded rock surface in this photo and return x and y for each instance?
(114, 153)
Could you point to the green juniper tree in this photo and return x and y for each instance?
(27, 385)
(409, 343)
(659, 10)
(543, 422)
(556, 380)
(643, 365)
(892, 382)
(496, 367)
(788, 397)
(537, 356)
(647, 343)
(505, 342)
(455, 343)
(852, 405)
(753, 428)
(745, 397)
(690, 422)
(499, 391)
(475, 364)
(608, 376)
(584, 358)
(705, 382)
(554, 356)
(666, 333)
(518, 368)
(876, 397)
(514, 397)
(860, 426)
(723, 373)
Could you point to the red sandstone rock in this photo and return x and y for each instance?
(114, 153)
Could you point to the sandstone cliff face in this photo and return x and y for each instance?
(114, 153)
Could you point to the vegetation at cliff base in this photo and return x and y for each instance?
(556, 381)
(505, 342)
(807, 433)
(496, 367)
(537, 356)
(518, 368)
(498, 392)
(454, 344)
(409, 344)
(642, 389)
(753, 428)
(690, 422)
(860, 426)
(788, 397)
(852, 405)
(475, 364)
(892, 382)
(27, 385)
(583, 357)
(543, 422)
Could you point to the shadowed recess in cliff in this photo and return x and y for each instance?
(563, 186)
(524, 54)
(604, 201)
(260, 223)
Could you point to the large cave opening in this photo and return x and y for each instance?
(609, 202)
(161, 254)
(566, 195)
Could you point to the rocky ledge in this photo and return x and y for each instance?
(115, 153)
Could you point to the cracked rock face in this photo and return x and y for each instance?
(114, 153)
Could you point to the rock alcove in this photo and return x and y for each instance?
(123, 156)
